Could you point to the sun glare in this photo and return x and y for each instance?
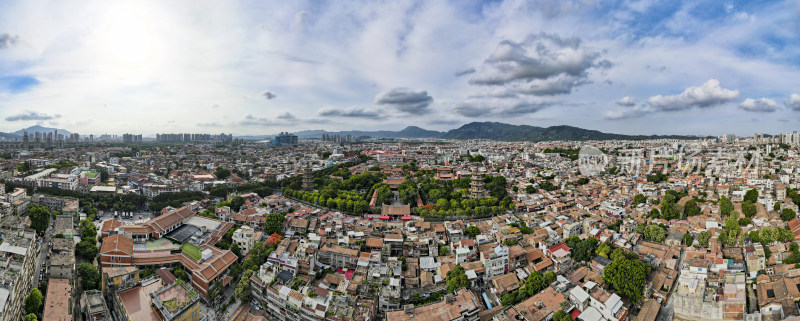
(129, 39)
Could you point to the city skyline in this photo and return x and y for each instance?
(249, 68)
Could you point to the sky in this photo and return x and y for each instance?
(261, 67)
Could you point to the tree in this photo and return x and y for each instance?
(748, 209)
(702, 238)
(40, 218)
(530, 189)
(473, 231)
(510, 242)
(237, 203)
(456, 279)
(89, 276)
(34, 301)
(776, 207)
(562, 316)
(732, 227)
(236, 250)
(744, 221)
(87, 249)
(243, 288)
(584, 250)
(751, 196)
(628, 277)
(725, 206)
(788, 214)
(604, 250)
(688, 239)
(180, 274)
(215, 291)
(638, 199)
(87, 228)
(444, 251)
(222, 173)
(654, 233)
(31, 317)
(274, 223)
(691, 208)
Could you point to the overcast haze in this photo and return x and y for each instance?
(260, 67)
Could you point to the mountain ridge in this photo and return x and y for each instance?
(41, 129)
(496, 131)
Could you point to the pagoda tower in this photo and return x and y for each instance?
(476, 189)
(308, 179)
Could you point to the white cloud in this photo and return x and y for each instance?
(626, 101)
(541, 65)
(707, 95)
(32, 115)
(352, 112)
(625, 113)
(759, 105)
(793, 102)
(406, 100)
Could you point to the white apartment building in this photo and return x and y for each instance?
(244, 237)
(495, 261)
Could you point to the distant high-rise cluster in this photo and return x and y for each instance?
(43, 140)
(790, 138)
(728, 138)
(285, 139)
(337, 138)
(131, 138)
(193, 137)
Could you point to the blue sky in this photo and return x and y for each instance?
(261, 67)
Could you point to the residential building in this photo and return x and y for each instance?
(244, 238)
(93, 306)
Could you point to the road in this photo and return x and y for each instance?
(44, 248)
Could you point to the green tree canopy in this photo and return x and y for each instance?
(628, 277)
(751, 196)
(691, 209)
(703, 238)
(222, 173)
(34, 301)
(788, 214)
(87, 248)
(456, 279)
(274, 223)
(243, 287)
(40, 218)
(688, 239)
(89, 276)
(473, 231)
(748, 209)
(725, 206)
(654, 233)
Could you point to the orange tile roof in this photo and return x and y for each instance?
(116, 243)
(56, 306)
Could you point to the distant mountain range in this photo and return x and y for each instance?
(408, 132)
(506, 132)
(40, 129)
(495, 131)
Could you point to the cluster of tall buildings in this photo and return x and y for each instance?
(285, 139)
(43, 140)
(193, 137)
(790, 138)
(131, 138)
(337, 138)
